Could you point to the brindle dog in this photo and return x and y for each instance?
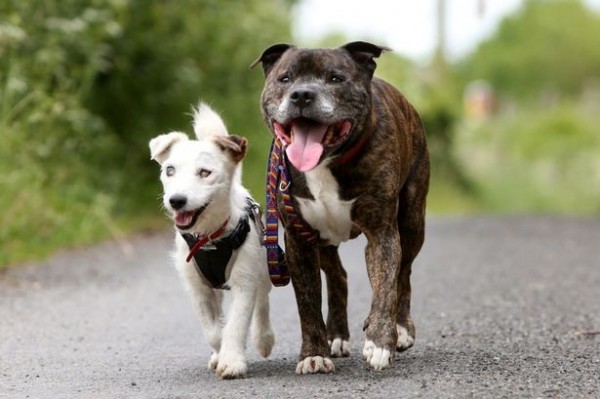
(358, 161)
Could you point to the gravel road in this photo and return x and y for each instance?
(504, 307)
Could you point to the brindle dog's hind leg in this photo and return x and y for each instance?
(411, 225)
(337, 301)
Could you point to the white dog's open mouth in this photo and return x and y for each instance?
(185, 220)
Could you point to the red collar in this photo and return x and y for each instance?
(352, 152)
(203, 239)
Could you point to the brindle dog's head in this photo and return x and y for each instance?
(317, 100)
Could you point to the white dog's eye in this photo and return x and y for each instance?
(170, 171)
(204, 173)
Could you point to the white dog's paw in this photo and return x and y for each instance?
(314, 365)
(405, 341)
(339, 348)
(378, 358)
(231, 368)
(264, 342)
(213, 361)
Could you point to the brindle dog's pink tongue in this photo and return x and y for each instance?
(305, 149)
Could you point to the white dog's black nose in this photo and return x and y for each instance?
(178, 201)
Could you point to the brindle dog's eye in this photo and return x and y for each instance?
(336, 79)
(284, 79)
(170, 171)
(204, 173)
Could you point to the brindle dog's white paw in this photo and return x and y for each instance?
(214, 361)
(339, 348)
(378, 358)
(405, 341)
(314, 365)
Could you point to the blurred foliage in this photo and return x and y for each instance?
(85, 84)
(548, 47)
(540, 150)
(178, 52)
(534, 160)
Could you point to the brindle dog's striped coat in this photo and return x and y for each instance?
(323, 104)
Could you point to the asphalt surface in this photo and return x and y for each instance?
(504, 307)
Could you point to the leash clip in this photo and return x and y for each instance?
(283, 186)
(257, 212)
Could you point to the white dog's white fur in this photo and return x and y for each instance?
(207, 173)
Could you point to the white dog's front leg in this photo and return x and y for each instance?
(211, 317)
(263, 335)
(208, 305)
(232, 357)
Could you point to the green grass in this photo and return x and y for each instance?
(534, 160)
(39, 219)
(447, 198)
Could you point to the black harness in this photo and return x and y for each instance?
(212, 259)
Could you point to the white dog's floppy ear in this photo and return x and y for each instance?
(234, 146)
(160, 146)
(208, 123)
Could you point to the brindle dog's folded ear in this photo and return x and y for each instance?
(270, 56)
(234, 146)
(364, 52)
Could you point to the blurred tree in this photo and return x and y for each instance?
(547, 46)
(171, 54)
(84, 84)
(440, 111)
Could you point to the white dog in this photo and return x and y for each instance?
(217, 245)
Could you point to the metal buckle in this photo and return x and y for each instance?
(208, 247)
(255, 207)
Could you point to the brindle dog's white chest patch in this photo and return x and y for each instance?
(327, 213)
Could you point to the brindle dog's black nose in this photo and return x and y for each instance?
(178, 201)
(302, 97)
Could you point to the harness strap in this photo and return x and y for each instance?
(203, 239)
(212, 257)
(279, 182)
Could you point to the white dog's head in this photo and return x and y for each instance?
(197, 175)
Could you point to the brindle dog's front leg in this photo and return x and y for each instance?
(383, 255)
(303, 264)
(337, 301)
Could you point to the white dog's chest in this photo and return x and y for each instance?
(327, 213)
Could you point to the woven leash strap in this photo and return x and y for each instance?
(278, 180)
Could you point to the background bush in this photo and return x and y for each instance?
(85, 84)
(535, 160)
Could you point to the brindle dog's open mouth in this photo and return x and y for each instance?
(185, 220)
(306, 139)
